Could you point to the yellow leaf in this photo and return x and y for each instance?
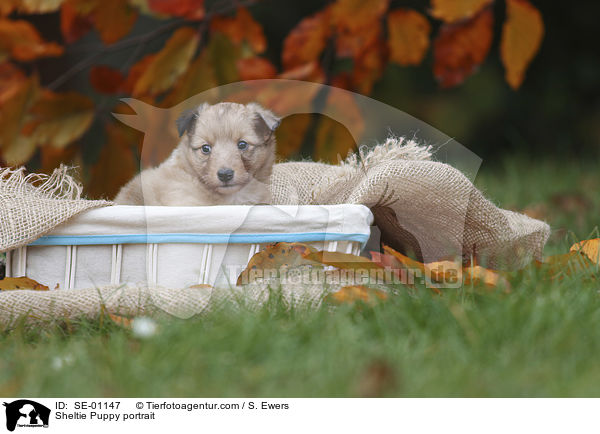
(274, 257)
(590, 248)
(199, 77)
(355, 15)
(477, 275)
(241, 28)
(522, 35)
(169, 63)
(353, 293)
(455, 10)
(408, 36)
(14, 283)
(60, 119)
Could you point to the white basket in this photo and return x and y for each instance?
(180, 246)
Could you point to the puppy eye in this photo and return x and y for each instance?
(206, 148)
(242, 146)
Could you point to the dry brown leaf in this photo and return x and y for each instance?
(456, 10)
(123, 321)
(73, 24)
(307, 40)
(558, 266)
(16, 283)
(353, 293)
(343, 261)
(590, 248)
(106, 79)
(273, 258)
(169, 63)
(460, 48)
(408, 36)
(21, 41)
(522, 35)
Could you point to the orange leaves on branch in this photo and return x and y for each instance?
(408, 38)
(21, 41)
(242, 28)
(199, 77)
(522, 35)
(356, 15)
(29, 6)
(113, 19)
(254, 68)
(461, 47)
(306, 41)
(189, 9)
(168, 64)
(105, 79)
(456, 10)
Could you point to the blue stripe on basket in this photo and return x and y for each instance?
(82, 240)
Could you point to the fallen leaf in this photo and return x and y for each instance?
(106, 79)
(460, 48)
(456, 10)
(189, 9)
(522, 35)
(408, 36)
(15, 283)
(343, 261)
(242, 27)
(590, 248)
(352, 293)
(273, 258)
(306, 41)
(121, 320)
(21, 41)
(477, 275)
(558, 266)
(255, 68)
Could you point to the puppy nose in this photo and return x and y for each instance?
(225, 174)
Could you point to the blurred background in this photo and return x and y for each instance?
(508, 79)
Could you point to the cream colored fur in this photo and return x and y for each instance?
(189, 177)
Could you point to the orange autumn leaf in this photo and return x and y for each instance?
(254, 68)
(199, 77)
(105, 79)
(73, 24)
(408, 36)
(353, 293)
(274, 257)
(307, 40)
(460, 48)
(243, 27)
(522, 35)
(590, 248)
(343, 261)
(29, 6)
(368, 67)
(352, 44)
(310, 71)
(169, 63)
(21, 41)
(355, 15)
(190, 9)
(478, 275)
(114, 19)
(456, 10)
(16, 283)
(558, 266)
(122, 321)
(136, 71)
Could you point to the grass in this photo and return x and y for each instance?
(542, 339)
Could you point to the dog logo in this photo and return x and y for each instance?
(26, 413)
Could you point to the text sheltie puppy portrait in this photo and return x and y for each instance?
(225, 157)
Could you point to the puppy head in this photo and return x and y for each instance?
(227, 145)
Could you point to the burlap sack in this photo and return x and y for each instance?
(420, 205)
(31, 205)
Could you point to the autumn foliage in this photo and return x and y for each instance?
(210, 46)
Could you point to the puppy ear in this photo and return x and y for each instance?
(266, 116)
(186, 119)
